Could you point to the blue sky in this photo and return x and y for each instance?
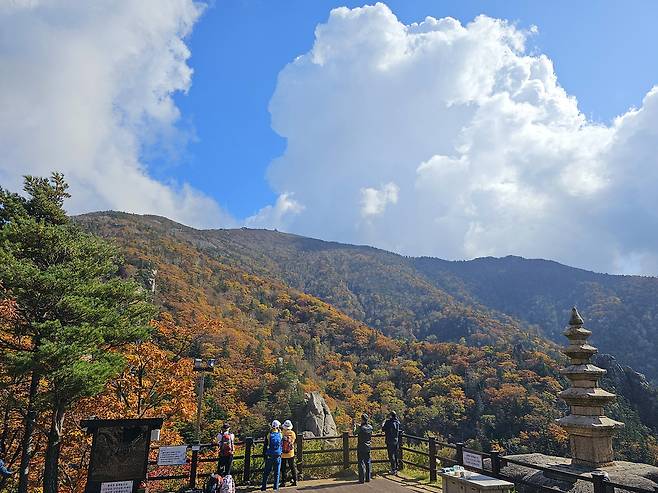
(604, 54)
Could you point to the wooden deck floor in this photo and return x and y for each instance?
(381, 485)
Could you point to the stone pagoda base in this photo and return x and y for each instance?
(631, 474)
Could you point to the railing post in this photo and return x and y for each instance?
(432, 459)
(248, 445)
(400, 454)
(460, 453)
(495, 464)
(300, 455)
(346, 450)
(194, 465)
(599, 478)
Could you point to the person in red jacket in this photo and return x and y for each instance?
(226, 443)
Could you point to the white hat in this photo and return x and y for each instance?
(287, 424)
(276, 424)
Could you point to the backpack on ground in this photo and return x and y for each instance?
(213, 484)
(286, 444)
(274, 448)
(228, 485)
(225, 447)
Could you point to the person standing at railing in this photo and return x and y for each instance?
(288, 453)
(226, 443)
(391, 429)
(272, 450)
(363, 445)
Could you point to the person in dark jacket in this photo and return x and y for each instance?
(391, 429)
(364, 442)
(272, 450)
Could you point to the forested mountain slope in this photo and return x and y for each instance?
(622, 311)
(453, 367)
(429, 298)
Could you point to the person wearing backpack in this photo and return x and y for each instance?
(288, 453)
(363, 446)
(272, 450)
(226, 443)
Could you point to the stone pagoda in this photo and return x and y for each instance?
(590, 431)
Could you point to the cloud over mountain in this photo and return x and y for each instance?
(86, 88)
(445, 139)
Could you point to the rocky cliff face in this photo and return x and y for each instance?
(632, 385)
(316, 419)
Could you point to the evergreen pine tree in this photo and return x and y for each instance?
(75, 312)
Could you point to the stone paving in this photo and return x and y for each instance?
(381, 485)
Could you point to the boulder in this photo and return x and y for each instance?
(316, 418)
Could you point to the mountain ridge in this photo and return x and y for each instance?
(536, 293)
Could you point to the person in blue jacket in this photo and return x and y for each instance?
(272, 450)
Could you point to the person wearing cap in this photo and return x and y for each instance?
(226, 443)
(391, 429)
(288, 453)
(272, 450)
(363, 444)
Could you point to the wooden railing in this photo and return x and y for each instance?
(424, 453)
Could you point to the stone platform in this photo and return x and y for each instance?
(630, 474)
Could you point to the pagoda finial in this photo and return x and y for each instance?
(576, 319)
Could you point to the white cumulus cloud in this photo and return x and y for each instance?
(488, 154)
(277, 216)
(374, 201)
(85, 88)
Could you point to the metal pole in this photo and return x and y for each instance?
(495, 464)
(300, 455)
(399, 450)
(199, 403)
(248, 444)
(346, 450)
(193, 468)
(432, 459)
(599, 478)
(460, 454)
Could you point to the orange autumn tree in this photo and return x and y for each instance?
(12, 390)
(157, 382)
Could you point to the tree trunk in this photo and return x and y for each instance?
(28, 432)
(50, 472)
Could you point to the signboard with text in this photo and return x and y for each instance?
(172, 456)
(119, 453)
(117, 487)
(472, 460)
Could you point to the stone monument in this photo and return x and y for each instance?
(590, 431)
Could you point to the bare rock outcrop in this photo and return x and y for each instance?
(316, 419)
